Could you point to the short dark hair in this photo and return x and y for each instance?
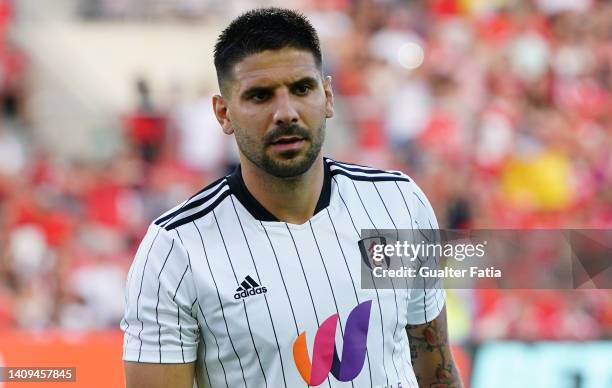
(263, 29)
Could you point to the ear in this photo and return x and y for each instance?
(329, 97)
(222, 113)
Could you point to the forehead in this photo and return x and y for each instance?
(274, 67)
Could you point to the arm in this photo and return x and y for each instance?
(146, 375)
(161, 329)
(431, 356)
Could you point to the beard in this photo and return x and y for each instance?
(286, 164)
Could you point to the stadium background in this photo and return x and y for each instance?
(500, 110)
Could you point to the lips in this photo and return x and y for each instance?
(287, 143)
(287, 139)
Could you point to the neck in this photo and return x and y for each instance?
(292, 200)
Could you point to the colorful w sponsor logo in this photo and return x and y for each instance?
(325, 354)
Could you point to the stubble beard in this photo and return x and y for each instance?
(288, 164)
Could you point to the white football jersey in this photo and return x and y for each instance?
(257, 302)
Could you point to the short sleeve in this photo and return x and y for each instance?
(427, 297)
(159, 325)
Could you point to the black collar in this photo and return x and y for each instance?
(257, 210)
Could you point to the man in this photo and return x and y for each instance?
(236, 284)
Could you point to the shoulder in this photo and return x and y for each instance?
(392, 183)
(358, 172)
(197, 206)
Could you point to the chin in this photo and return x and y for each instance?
(288, 168)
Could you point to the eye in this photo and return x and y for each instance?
(302, 89)
(260, 96)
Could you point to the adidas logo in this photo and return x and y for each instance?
(249, 287)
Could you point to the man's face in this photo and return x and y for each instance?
(276, 105)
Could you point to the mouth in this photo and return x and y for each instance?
(287, 143)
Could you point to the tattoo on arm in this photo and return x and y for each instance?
(431, 355)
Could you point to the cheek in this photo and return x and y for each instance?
(316, 116)
(252, 121)
(314, 110)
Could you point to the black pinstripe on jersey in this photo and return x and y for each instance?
(221, 239)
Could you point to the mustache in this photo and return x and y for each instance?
(286, 130)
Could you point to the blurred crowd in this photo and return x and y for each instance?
(500, 110)
(145, 9)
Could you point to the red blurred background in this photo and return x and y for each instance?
(500, 110)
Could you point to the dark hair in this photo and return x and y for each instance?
(263, 29)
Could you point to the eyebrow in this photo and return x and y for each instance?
(258, 89)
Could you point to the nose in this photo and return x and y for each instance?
(285, 112)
